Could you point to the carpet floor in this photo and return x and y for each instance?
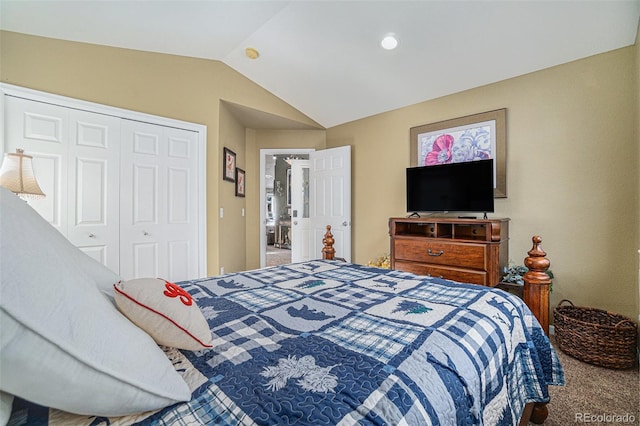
(277, 256)
(594, 395)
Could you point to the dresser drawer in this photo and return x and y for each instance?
(455, 274)
(436, 252)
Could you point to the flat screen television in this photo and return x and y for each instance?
(453, 187)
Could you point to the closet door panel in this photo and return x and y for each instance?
(182, 204)
(125, 192)
(145, 260)
(42, 131)
(158, 202)
(145, 194)
(140, 230)
(94, 186)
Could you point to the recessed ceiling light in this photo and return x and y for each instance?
(251, 53)
(389, 42)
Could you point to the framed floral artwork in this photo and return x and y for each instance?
(474, 137)
(240, 182)
(229, 165)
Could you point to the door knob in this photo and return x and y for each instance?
(145, 233)
(92, 235)
(295, 222)
(345, 223)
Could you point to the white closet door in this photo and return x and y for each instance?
(42, 130)
(94, 186)
(159, 217)
(76, 161)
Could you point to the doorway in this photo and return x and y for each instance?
(275, 199)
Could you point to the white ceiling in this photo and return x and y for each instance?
(324, 57)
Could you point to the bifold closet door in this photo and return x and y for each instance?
(158, 202)
(76, 161)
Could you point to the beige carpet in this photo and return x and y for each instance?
(594, 395)
(277, 256)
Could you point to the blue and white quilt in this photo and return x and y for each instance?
(333, 343)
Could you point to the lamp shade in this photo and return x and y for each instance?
(17, 175)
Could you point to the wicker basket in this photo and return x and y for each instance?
(596, 336)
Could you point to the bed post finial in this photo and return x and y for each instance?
(537, 283)
(327, 250)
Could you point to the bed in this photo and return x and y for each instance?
(323, 342)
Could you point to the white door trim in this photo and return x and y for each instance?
(301, 240)
(201, 130)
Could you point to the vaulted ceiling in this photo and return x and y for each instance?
(324, 57)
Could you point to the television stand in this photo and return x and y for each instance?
(460, 249)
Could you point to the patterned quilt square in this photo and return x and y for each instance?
(211, 407)
(197, 291)
(449, 294)
(308, 381)
(349, 273)
(309, 285)
(224, 284)
(263, 298)
(390, 282)
(313, 267)
(307, 314)
(421, 313)
(356, 298)
(476, 335)
(235, 340)
(378, 338)
(220, 310)
(275, 274)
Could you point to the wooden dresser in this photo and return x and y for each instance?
(466, 250)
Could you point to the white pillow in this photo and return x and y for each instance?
(62, 343)
(165, 311)
(6, 404)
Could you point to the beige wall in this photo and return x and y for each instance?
(178, 87)
(233, 224)
(572, 172)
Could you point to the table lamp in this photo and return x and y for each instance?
(17, 175)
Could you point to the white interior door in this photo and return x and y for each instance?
(76, 161)
(330, 199)
(94, 186)
(301, 236)
(76, 148)
(42, 130)
(158, 221)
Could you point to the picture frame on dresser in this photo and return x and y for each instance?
(473, 137)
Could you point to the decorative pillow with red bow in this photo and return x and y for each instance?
(165, 311)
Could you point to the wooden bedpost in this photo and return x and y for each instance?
(537, 283)
(536, 295)
(328, 252)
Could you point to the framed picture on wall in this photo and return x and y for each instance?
(229, 165)
(240, 182)
(474, 137)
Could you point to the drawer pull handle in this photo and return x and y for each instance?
(430, 253)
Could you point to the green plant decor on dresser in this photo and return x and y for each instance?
(515, 274)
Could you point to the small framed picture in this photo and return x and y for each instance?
(240, 182)
(229, 165)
